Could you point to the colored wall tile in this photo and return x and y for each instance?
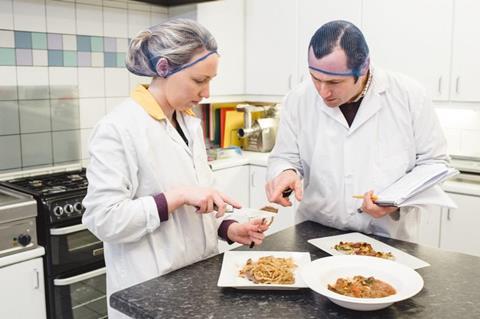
(7, 39)
(84, 59)
(69, 58)
(121, 59)
(7, 56)
(97, 44)
(55, 58)
(24, 57)
(55, 41)
(84, 44)
(39, 40)
(110, 44)
(23, 40)
(110, 59)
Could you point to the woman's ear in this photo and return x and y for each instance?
(162, 67)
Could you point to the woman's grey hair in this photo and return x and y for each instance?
(177, 40)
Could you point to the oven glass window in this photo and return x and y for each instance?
(85, 299)
(81, 240)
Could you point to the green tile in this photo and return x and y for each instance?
(97, 44)
(39, 40)
(69, 58)
(121, 59)
(7, 56)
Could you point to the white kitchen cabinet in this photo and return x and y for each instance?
(258, 199)
(270, 46)
(233, 182)
(312, 15)
(226, 21)
(414, 38)
(459, 230)
(466, 50)
(429, 228)
(22, 291)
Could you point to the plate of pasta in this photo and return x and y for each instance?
(276, 270)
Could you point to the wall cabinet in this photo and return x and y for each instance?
(226, 21)
(459, 227)
(270, 46)
(401, 39)
(466, 50)
(22, 291)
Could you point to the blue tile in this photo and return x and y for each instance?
(110, 59)
(55, 58)
(23, 40)
(84, 43)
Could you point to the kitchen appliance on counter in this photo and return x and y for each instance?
(73, 262)
(258, 135)
(17, 222)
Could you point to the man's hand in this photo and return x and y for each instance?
(369, 207)
(286, 179)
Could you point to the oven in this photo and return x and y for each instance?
(73, 262)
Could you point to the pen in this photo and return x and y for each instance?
(374, 197)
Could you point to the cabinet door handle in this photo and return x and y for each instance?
(252, 179)
(448, 215)
(440, 85)
(289, 81)
(36, 279)
(457, 85)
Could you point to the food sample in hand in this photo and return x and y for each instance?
(363, 249)
(269, 270)
(361, 287)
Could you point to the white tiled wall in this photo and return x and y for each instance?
(100, 89)
(461, 124)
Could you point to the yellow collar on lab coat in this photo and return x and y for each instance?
(142, 96)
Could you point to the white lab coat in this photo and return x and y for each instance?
(132, 157)
(395, 129)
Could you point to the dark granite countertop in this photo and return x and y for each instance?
(452, 288)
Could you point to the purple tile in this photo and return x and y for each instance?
(55, 41)
(24, 57)
(84, 59)
(110, 45)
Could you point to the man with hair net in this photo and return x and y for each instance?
(352, 129)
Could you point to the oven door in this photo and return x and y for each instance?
(81, 296)
(73, 246)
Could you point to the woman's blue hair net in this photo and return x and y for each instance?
(348, 37)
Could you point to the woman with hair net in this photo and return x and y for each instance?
(351, 129)
(150, 197)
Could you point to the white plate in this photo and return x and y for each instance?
(327, 244)
(321, 272)
(233, 261)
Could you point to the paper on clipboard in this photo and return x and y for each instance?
(416, 187)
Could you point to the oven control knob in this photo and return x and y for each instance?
(58, 211)
(24, 239)
(78, 207)
(68, 209)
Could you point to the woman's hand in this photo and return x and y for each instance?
(205, 199)
(247, 232)
(369, 207)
